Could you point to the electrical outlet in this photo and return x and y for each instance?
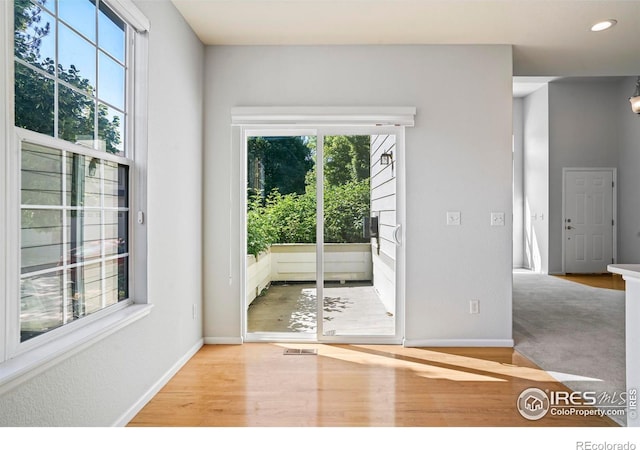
(194, 310)
(474, 307)
(453, 217)
(497, 219)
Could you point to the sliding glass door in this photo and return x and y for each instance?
(281, 222)
(322, 235)
(359, 219)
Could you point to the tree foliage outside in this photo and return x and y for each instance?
(346, 159)
(279, 162)
(36, 76)
(291, 217)
(35, 91)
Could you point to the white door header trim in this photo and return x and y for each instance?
(323, 116)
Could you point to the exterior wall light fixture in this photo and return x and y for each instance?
(386, 158)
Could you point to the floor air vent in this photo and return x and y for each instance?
(300, 351)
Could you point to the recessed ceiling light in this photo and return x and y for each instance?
(604, 25)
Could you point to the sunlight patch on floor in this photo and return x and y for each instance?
(390, 356)
(420, 369)
(562, 377)
(498, 368)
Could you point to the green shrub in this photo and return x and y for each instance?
(260, 232)
(294, 217)
(291, 218)
(344, 207)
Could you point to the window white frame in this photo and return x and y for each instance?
(6, 130)
(21, 361)
(320, 122)
(14, 346)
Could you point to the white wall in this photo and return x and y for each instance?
(583, 132)
(536, 180)
(518, 183)
(98, 386)
(458, 158)
(628, 175)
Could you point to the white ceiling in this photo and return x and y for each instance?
(550, 37)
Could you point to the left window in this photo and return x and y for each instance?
(71, 72)
(74, 220)
(73, 100)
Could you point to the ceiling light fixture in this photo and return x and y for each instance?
(604, 25)
(635, 98)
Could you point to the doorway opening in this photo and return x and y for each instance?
(322, 234)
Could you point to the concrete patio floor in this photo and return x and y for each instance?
(353, 308)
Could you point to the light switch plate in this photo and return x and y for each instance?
(453, 217)
(497, 219)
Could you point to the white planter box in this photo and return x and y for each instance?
(297, 262)
(258, 274)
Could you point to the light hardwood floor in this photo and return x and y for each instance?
(255, 384)
(606, 281)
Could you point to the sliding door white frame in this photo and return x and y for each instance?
(249, 122)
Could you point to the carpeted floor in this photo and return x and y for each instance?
(573, 331)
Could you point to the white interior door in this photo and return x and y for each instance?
(589, 197)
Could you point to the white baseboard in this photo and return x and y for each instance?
(223, 340)
(137, 406)
(458, 343)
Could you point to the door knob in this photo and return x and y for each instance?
(569, 227)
